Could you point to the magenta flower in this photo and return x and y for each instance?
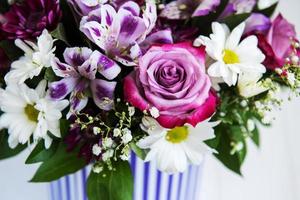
(275, 39)
(280, 37)
(28, 19)
(79, 78)
(172, 79)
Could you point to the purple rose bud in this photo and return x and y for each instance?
(172, 79)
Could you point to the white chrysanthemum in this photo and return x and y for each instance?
(37, 56)
(173, 149)
(27, 112)
(231, 55)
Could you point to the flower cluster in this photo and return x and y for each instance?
(96, 81)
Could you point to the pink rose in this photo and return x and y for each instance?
(172, 78)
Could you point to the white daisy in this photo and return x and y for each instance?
(173, 149)
(37, 56)
(231, 56)
(28, 112)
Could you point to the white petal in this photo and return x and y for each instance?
(235, 37)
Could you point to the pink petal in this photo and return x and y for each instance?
(132, 93)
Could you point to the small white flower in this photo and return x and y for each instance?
(295, 59)
(37, 56)
(131, 111)
(231, 55)
(291, 78)
(107, 155)
(96, 149)
(250, 125)
(126, 138)
(97, 169)
(29, 112)
(96, 130)
(126, 131)
(107, 143)
(244, 103)
(117, 132)
(124, 157)
(154, 112)
(174, 149)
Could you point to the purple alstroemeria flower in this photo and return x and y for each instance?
(119, 32)
(258, 23)
(28, 19)
(79, 78)
(183, 9)
(238, 7)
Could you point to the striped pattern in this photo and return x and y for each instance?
(156, 185)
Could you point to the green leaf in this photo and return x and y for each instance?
(40, 154)
(116, 184)
(5, 150)
(59, 33)
(224, 148)
(255, 136)
(232, 162)
(138, 151)
(50, 75)
(242, 153)
(234, 20)
(64, 127)
(60, 164)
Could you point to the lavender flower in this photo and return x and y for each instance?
(79, 78)
(28, 19)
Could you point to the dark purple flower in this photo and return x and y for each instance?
(28, 19)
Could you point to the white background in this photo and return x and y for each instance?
(270, 173)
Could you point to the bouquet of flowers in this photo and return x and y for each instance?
(92, 82)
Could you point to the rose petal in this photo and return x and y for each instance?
(200, 114)
(132, 93)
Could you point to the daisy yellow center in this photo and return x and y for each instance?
(230, 57)
(177, 134)
(31, 112)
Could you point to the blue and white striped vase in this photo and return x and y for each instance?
(149, 184)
